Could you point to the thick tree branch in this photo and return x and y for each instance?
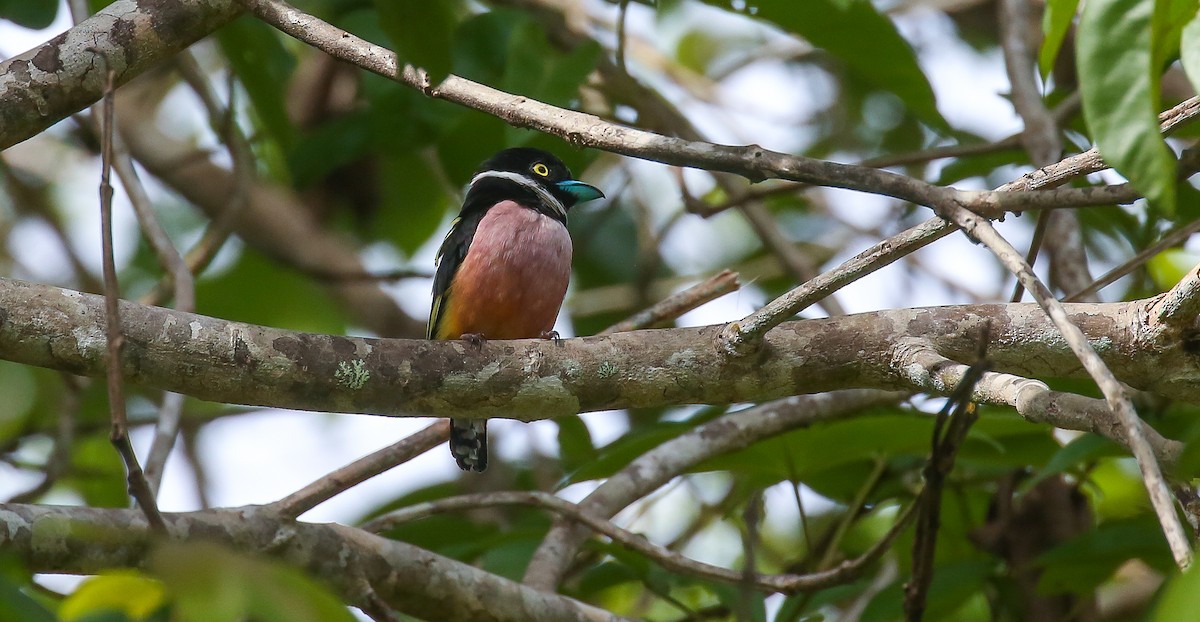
(1181, 305)
(1032, 399)
(233, 362)
(353, 562)
(66, 74)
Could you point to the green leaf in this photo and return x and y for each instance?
(36, 14)
(1170, 17)
(1120, 86)
(413, 201)
(1087, 560)
(1056, 21)
(737, 598)
(422, 32)
(666, 8)
(536, 70)
(1188, 465)
(954, 585)
(826, 447)
(509, 554)
(865, 41)
(18, 386)
(1084, 449)
(17, 606)
(127, 591)
(263, 66)
(257, 290)
(1189, 51)
(1181, 598)
(603, 576)
(622, 451)
(1187, 203)
(97, 472)
(1170, 266)
(208, 583)
(508, 49)
(1115, 490)
(107, 615)
(575, 446)
(336, 143)
(481, 44)
(953, 588)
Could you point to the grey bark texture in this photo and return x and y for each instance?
(232, 362)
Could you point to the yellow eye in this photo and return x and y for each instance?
(541, 169)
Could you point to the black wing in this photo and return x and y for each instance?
(449, 258)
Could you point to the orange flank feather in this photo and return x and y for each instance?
(512, 283)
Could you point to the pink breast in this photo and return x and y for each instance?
(512, 282)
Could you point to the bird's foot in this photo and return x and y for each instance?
(475, 339)
(552, 335)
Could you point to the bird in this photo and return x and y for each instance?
(503, 268)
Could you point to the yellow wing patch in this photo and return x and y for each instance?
(435, 310)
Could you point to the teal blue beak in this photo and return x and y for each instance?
(581, 191)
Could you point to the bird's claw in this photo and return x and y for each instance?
(475, 339)
(552, 335)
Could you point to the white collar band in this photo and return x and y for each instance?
(548, 199)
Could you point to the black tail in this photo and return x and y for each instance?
(468, 443)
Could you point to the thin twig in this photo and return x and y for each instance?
(166, 429)
(961, 413)
(742, 336)
(980, 229)
(752, 520)
(359, 471)
(191, 455)
(834, 541)
(649, 471)
(752, 327)
(1090, 161)
(621, 36)
(796, 263)
(119, 435)
(786, 583)
(167, 425)
(1064, 110)
(1035, 246)
(1174, 238)
(752, 162)
(679, 303)
(221, 120)
(1040, 135)
(333, 276)
(375, 607)
(164, 249)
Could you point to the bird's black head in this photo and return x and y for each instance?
(519, 173)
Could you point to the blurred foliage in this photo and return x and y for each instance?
(382, 166)
(29, 13)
